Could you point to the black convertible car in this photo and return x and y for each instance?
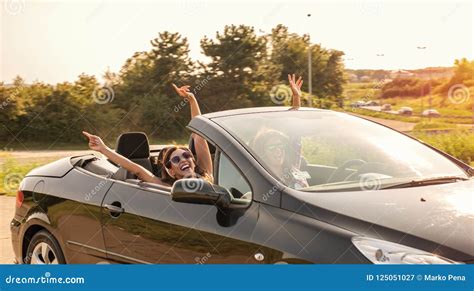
(364, 193)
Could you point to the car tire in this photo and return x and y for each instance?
(44, 249)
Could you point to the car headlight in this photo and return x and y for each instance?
(384, 252)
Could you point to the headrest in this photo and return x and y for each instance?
(133, 145)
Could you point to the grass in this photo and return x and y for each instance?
(434, 125)
(11, 174)
(451, 112)
(458, 143)
(361, 91)
(12, 170)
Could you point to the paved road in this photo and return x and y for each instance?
(7, 209)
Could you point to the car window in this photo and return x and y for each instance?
(230, 177)
(324, 151)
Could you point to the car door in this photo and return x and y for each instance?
(141, 224)
(216, 236)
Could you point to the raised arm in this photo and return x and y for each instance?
(295, 86)
(203, 153)
(96, 144)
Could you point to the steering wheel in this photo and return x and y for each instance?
(339, 175)
(368, 168)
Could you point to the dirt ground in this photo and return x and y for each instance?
(7, 209)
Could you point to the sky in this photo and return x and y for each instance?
(55, 41)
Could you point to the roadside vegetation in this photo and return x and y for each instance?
(12, 172)
(453, 97)
(458, 143)
(140, 98)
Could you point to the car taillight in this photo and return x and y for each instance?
(19, 198)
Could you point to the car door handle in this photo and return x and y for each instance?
(114, 209)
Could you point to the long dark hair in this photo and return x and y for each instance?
(166, 178)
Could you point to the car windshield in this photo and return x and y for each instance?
(318, 150)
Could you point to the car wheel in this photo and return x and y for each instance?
(44, 249)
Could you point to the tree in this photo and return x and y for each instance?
(463, 73)
(290, 53)
(237, 71)
(334, 75)
(143, 87)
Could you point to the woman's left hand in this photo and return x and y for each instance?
(184, 92)
(295, 86)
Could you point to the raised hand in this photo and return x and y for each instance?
(95, 142)
(184, 92)
(295, 86)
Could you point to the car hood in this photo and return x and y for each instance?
(443, 214)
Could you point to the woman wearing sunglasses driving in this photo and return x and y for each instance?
(178, 162)
(280, 153)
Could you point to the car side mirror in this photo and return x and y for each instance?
(199, 191)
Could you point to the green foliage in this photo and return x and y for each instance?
(239, 73)
(370, 74)
(463, 74)
(55, 113)
(403, 87)
(11, 174)
(414, 87)
(433, 125)
(458, 143)
(290, 53)
(243, 69)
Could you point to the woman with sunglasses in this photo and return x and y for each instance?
(178, 162)
(281, 153)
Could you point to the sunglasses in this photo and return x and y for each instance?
(176, 159)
